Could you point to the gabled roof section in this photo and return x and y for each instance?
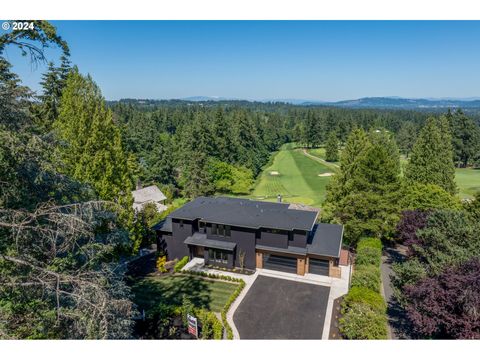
(164, 225)
(326, 240)
(246, 213)
(149, 193)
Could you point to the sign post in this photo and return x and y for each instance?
(192, 325)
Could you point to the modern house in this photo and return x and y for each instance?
(148, 195)
(231, 232)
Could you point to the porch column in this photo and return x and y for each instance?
(301, 266)
(259, 260)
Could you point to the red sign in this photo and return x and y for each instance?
(192, 325)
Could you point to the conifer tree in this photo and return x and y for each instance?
(52, 92)
(331, 148)
(431, 161)
(92, 150)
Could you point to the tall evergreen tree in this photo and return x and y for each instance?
(406, 137)
(331, 148)
(431, 160)
(92, 149)
(52, 92)
(465, 138)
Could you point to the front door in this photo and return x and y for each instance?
(199, 251)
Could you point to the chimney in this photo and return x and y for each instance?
(279, 198)
(139, 185)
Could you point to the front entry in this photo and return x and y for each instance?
(280, 263)
(199, 251)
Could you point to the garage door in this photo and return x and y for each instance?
(280, 263)
(317, 266)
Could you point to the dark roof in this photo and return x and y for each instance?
(246, 213)
(288, 250)
(326, 240)
(164, 225)
(201, 240)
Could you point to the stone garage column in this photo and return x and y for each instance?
(301, 266)
(259, 260)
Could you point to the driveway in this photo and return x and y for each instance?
(276, 308)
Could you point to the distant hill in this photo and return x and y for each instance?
(398, 103)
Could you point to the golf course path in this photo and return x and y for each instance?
(320, 160)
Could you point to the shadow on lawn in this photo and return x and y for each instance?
(170, 290)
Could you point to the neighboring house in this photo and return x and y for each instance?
(147, 195)
(231, 232)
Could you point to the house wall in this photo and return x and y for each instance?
(299, 239)
(279, 239)
(176, 249)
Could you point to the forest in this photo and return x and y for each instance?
(69, 161)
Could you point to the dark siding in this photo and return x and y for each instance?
(279, 240)
(176, 249)
(299, 239)
(245, 240)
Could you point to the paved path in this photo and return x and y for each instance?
(394, 312)
(320, 160)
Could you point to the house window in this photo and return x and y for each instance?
(214, 229)
(218, 256)
(201, 225)
(221, 230)
(227, 231)
(181, 223)
(290, 236)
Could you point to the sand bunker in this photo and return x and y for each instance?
(325, 174)
(274, 173)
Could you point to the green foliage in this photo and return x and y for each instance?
(465, 138)
(92, 150)
(331, 148)
(180, 264)
(160, 265)
(229, 178)
(417, 196)
(368, 256)
(365, 296)
(211, 327)
(366, 276)
(369, 242)
(361, 322)
(406, 137)
(431, 161)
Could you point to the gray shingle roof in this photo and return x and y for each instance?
(246, 213)
(201, 240)
(327, 240)
(164, 225)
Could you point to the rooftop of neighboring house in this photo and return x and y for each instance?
(148, 194)
(246, 213)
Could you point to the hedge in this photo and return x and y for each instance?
(362, 322)
(369, 243)
(180, 264)
(212, 276)
(366, 296)
(367, 276)
(368, 256)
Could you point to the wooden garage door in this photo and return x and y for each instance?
(280, 263)
(318, 266)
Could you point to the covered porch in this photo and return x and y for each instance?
(213, 252)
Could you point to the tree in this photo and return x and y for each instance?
(410, 222)
(465, 138)
(419, 196)
(446, 306)
(431, 160)
(52, 92)
(406, 137)
(331, 148)
(92, 150)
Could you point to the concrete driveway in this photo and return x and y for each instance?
(277, 308)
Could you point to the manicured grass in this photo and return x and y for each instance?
(320, 153)
(170, 290)
(468, 181)
(297, 180)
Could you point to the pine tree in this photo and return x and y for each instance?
(431, 161)
(92, 150)
(331, 148)
(52, 92)
(465, 138)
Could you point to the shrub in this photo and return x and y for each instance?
(368, 256)
(360, 295)
(362, 322)
(211, 326)
(180, 264)
(161, 261)
(369, 242)
(229, 303)
(367, 276)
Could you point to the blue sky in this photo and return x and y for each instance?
(315, 60)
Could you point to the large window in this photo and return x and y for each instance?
(218, 256)
(221, 230)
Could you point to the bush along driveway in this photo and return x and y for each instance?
(363, 308)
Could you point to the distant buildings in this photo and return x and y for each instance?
(147, 195)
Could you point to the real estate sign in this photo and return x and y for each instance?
(192, 325)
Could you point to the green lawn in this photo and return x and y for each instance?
(468, 181)
(152, 291)
(297, 179)
(320, 153)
